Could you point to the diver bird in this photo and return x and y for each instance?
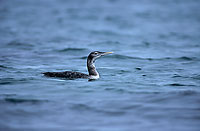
(93, 74)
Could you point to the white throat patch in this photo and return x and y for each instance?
(94, 77)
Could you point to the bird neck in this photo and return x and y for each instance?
(91, 68)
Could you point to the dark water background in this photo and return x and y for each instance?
(150, 83)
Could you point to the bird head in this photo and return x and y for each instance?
(96, 54)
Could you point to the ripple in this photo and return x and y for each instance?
(5, 81)
(87, 108)
(84, 57)
(131, 107)
(19, 100)
(8, 95)
(72, 49)
(16, 43)
(81, 107)
(196, 77)
(105, 32)
(178, 84)
(111, 43)
(188, 92)
(119, 90)
(138, 68)
(123, 71)
(2, 66)
(176, 75)
(20, 45)
(184, 58)
(117, 56)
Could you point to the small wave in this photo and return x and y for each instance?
(114, 43)
(138, 68)
(152, 59)
(81, 107)
(178, 84)
(122, 57)
(136, 58)
(1, 66)
(17, 100)
(131, 107)
(5, 81)
(119, 90)
(113, 113)
(84, 107)
(71, 49)
(116, 90)
(8, 95)
(196, 77)
(187, 58)
(123, 71)
(184, 58)
(188, 93)
(175, 58)
(84, 57)
(105, 32)
(18, 44)
(176, 75)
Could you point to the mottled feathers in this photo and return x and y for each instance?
(66, 74)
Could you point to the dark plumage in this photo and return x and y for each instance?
(93, 74)
(66, 74)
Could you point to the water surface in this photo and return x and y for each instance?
(151, 82)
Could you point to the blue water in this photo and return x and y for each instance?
(150, 83)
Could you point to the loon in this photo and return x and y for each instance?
(93, 74)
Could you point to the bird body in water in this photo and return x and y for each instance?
(93, 74)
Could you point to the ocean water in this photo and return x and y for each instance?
(150, 83)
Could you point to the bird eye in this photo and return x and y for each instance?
(95, 53)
